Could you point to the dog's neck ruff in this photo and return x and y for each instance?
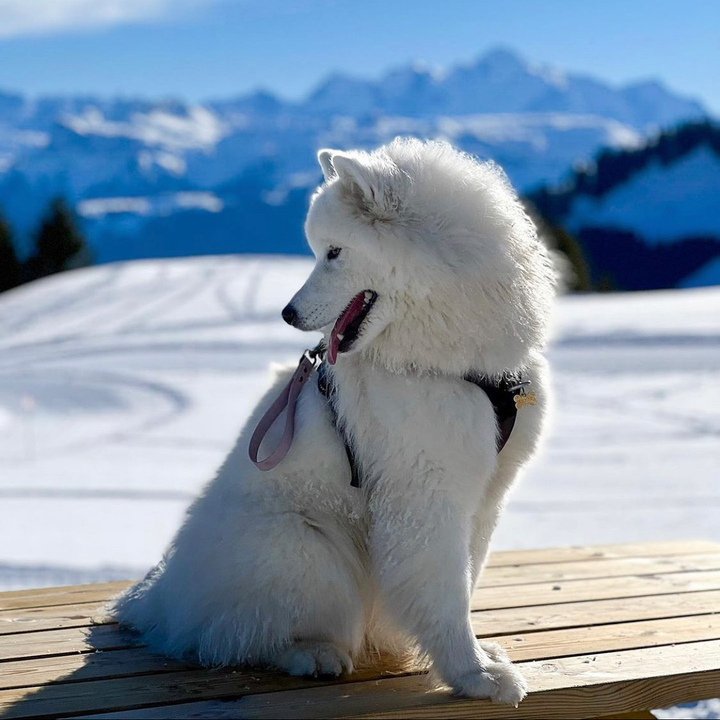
(506, 395)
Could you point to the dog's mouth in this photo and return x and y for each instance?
(348, 326)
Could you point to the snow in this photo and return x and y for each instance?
(534, 128)
(660, 203)
(98, 208)
(705, 709)
(122, 387)
(198, 128)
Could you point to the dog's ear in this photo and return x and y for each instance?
(373, 183)
(325, 159)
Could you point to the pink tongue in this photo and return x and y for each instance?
(343, 321)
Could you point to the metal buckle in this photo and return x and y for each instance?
(316, 355)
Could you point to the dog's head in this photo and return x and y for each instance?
(425, 259)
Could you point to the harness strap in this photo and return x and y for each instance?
(327, 389)
(500, 393)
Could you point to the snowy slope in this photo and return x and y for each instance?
(123, 386)
(660, 203)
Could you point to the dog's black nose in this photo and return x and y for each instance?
(289, 315)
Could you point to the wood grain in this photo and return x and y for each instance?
(531, 646)
(51, 618)
(537, 618)
(139, 691)
(492, 598)
(604, 638)
(64, 642)
(588, 569)
(69, 595)
(599, 552)
(576, 687)
(84, 667)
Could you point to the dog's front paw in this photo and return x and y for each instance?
(499, 681)
(315, 659)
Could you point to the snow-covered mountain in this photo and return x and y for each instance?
(155, 178)
(647, 217)
(500, 82)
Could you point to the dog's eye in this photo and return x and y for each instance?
(333, 252)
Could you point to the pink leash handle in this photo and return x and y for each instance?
(287, 398)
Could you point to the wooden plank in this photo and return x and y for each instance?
(600, 552)
(576, 687)
(585, 569)
(570, 704)
(51, 618)
(103, 591)
(485, 622)
(530, 646)
(87, 639)
(485, 598)
(64, 642)
(46, 597)
(634, 715)
(491, 598)
(69, 698)
(610, 638)
(593, 612)
(84, 667)
(69, 595)
(81, 614)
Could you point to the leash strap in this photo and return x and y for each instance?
(287, 399)
(500, 393)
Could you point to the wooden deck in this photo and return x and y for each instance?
(596, 630)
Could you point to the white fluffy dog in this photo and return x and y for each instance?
(428, 272)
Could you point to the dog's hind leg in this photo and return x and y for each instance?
(315, 658)
(328, 606)
(279, 590)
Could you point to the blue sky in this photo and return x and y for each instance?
(199, 49)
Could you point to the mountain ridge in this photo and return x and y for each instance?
(163, 177)
(500, 64)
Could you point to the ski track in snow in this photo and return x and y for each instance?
(123, 387)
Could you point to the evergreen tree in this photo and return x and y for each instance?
(573, 266)
(579, 280)
(606, 284)
(59, 244)
(9, 263)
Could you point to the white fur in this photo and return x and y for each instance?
(294, 568)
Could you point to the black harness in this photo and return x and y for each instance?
(501, 394)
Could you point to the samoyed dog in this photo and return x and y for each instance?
(431, 288)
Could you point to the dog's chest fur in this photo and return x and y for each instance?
(409, 431)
